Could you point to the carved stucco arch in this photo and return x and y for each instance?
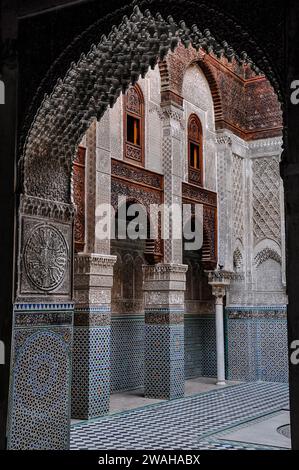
(172, 81)
(95, 82)
(265, 254)
(237, 260)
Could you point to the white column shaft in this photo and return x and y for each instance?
(220, 344)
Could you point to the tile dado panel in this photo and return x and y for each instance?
(91, 369)
(200, 346)
(255, 347)
(39, 411)
(127, 352)
(127, 349)
(257, 343)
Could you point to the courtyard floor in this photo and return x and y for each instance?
(238, 416)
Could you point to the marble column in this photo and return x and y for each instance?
(164, 286)
(91, 355)
(219, 281)
(219, 293)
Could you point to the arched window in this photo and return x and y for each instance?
(195, 145)
(134, 125)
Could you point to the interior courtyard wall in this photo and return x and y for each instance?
(231, 157)
(256, 304)
(127, 327)
(56, 131)
(200, 340)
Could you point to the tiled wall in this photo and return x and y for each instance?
(257, 343)
(127, 350)
(256, 347)
(90, 372)
(164, 361)
(200, 346)
(39, 405)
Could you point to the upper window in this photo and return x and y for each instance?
(134, 125)
(195, 156)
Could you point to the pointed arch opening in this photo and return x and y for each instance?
(195, 150)
(134, 125)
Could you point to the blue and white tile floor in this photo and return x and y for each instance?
(191, 423)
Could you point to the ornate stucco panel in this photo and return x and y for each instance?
(45, 251)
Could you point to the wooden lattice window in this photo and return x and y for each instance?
(195, 150)
(79, 198)
(134, 125)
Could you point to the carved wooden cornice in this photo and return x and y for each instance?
(198, 195)
(131, 173)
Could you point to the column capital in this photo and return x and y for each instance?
(219, 280)
(93, 263)
(170, 112)
(93, 276)
(218, 292)
(163, 270)
(164, 286)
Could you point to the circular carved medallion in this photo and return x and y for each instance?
(46, 257)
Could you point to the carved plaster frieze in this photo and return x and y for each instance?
(275, 142)
(53, 210)
(157, 297)
(163, 318)
(223, 140)
(162, 271)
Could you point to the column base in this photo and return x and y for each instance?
(221, 382)
(91, 350)
(91, 365)
(164, 362)
(164, 286)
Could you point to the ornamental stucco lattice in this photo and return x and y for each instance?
(266, 253)
(222, 171)
(238, 197)
(266, 199)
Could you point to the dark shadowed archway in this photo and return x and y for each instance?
(51, 134)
